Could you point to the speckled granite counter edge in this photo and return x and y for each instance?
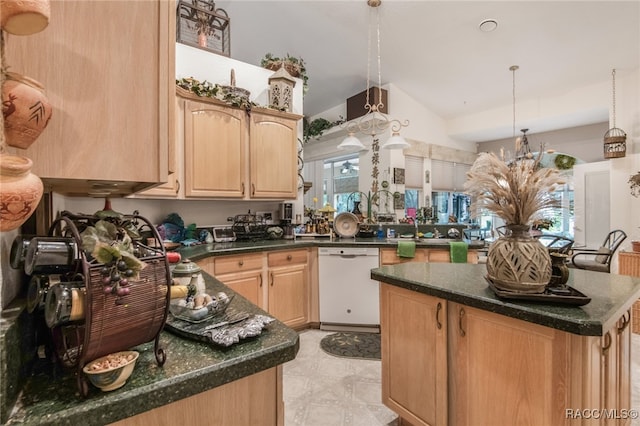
(522, 311)
(55, 399)
(238, 247)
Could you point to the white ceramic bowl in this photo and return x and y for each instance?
(109, 378)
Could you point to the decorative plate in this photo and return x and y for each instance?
(346, 225)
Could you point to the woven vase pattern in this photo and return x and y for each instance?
(518, 262)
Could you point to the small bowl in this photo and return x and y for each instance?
(114, 377)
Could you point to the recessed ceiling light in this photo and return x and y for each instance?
(488, 25)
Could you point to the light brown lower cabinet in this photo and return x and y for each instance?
(254, 400)
(289, 286)
(243, 273)
(444, 363)
(389, 256)
(276, 281)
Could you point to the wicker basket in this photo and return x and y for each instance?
(292, 69)
(113, 324)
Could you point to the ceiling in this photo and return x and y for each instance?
(435, 52)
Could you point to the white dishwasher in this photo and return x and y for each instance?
(349, 298)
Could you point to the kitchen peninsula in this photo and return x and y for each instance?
(454, 353)
(200, 383)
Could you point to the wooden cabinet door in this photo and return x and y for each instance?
(288, 294)
(504, 368)
(273, 156)
(109, 76)
(171, 188)
(215, 141)
(388, 256)
(242, 273)
(414, 355)
(444, 256)
(248, 284)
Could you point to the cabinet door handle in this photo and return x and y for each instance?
(289, 257)
(460, 317)
(242, 188)
(177, 186)
(260, 280)
(253, 188)
(607, 343)
(240, 263)
(626, 319)
(271, 276)
(438, 309)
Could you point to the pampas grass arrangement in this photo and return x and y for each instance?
(518, 191)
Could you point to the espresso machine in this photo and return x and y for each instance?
(286, 219)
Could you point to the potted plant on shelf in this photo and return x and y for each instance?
(294, 66)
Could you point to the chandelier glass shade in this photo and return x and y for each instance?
(374, 122)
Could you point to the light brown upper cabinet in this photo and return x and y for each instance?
(108, 69)
(274, 155)
(215, 148)
(231, 153)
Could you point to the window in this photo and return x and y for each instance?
(340, 181)
(414, 178)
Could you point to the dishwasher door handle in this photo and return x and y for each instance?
(348, 256)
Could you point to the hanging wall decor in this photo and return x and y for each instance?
(615, 140)
(201, 25)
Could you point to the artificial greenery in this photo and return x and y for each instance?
(214, 90)
(634, 184)
(111, 240)
(316, 128)
(292, 64)
(564, 162)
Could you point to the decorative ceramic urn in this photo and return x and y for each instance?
(24, 17)
(25, 108)
(21, 191)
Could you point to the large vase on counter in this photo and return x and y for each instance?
(21, 191)
(519, 263)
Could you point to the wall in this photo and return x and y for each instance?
(583, 142)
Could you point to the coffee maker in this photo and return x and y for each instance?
(286, 217)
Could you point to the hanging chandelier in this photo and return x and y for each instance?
(373, 121)
(522, 142)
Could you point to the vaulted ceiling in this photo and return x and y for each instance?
(435, 52)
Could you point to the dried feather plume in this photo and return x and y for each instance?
(518, 191)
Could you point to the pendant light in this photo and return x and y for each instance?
(615, 140)
(374, 121)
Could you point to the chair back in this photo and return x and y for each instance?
(556, 243)
(614, 239)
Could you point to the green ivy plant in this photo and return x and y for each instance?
(110, 241)
(213, 90)
(316, 128)
(634, 184)
(564, 162)
(294, 66)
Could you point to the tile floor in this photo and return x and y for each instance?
(324, 390)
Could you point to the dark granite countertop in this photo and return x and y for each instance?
(191, 367)
(611, 295)
(217, 249)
